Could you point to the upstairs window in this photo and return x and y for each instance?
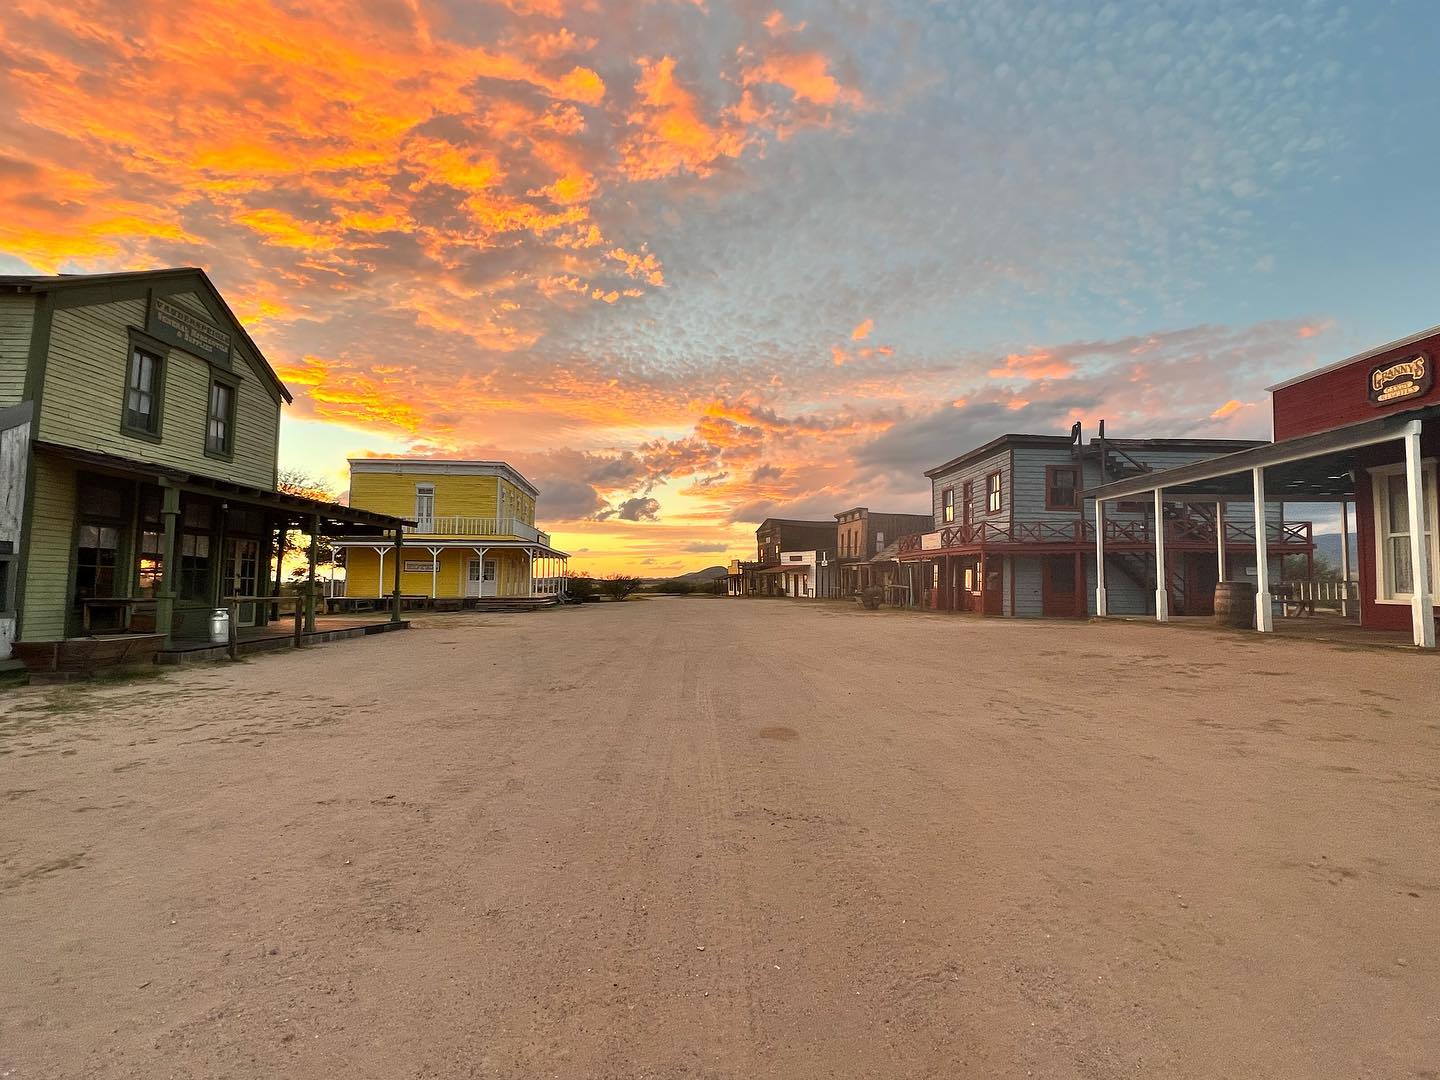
(1062, 488)
(142, 393)
(220, 421)
(947, 506)
(994, 494)
(967, 500)
(425, 505)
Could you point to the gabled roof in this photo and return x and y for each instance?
(43, 283)
(1180, 445)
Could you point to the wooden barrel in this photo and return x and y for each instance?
(1235, 603)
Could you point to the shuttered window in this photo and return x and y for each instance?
(142, 393)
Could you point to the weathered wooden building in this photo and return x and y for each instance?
(473, 537)
(860, 535)
(775, 536)
(1013, 534)
(139, 426)
(1364, 430)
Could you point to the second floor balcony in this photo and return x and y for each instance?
(505, 528)
(1180, 534)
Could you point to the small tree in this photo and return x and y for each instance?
(307, 486)
(581, 587)
(619, 586)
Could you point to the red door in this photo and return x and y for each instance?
(1059, 594)
(1201, 574)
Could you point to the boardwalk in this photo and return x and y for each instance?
(710, 839)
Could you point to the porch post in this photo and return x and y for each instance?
(1422, 601)
(434, 570)
(1100, 601)
(1220, 537)
(310, 581)
(1162, 581)
(399, 562)
(1344, 558)
(379, 573)
(529, 571)
(1264, 616)
(165, 587)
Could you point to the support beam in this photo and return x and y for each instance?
(169, 562)
(399, 563)
(1422, 599)
(1220, 538)
(1162, 582)
(314, 558)
(434, 570)
(1101, 605)
(1344, 558)
(1264, 612)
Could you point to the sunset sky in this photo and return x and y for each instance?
(689, 263)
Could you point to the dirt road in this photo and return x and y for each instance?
(705, 838)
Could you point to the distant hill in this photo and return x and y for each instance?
(702, 577)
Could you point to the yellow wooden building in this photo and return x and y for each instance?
(474, 536)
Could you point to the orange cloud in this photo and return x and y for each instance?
(861, 332)
(1229, 407)
(672, 136)
(806, 75)
(1033, 366)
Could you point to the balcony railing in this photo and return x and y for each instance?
(477, 526)
(1179, 534)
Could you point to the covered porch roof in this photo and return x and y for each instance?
(1312, 468)
(335, 519)
(462, 543)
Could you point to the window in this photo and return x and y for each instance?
(7, 562)
(1394, 569)
(142, 393)
(967, 500)
(994, 495)
(1062, 487)
(425, 505)
(150, 553)
(96, 554)
(947, 505)
(197, 520)
(221, 421)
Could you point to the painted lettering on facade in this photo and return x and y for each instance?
(186, 330)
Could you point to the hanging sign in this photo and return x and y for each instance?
(187, 330)
(1400, 380)
(417, 566)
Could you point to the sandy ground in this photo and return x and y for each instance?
(708, 838)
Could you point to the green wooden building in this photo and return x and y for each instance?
(139, 427)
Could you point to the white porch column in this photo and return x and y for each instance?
(1344, 558)
(380, 579)
(434, 569)
(1162, 583)
(530, 571)
(1422, 600)
(1100, 602)
(1220, 537)
(1264, 616)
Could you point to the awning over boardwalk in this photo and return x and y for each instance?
(1312, 467)
(334, 518)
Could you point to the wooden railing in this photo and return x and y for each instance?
(454, 525)
(1179, 534)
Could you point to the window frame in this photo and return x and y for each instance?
(1050, 471)
(947, 505)
(138, 344)
(1379, 483)
(424, 487)
(219, 377)
(998, 493)
(967, 499)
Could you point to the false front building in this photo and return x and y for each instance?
(1013, 534)
(474, 536)
(138, 433)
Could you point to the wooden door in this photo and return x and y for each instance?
(1060, 593)
(244, 576)
(1202, 573)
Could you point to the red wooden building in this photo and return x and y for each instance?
(1365, 429)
